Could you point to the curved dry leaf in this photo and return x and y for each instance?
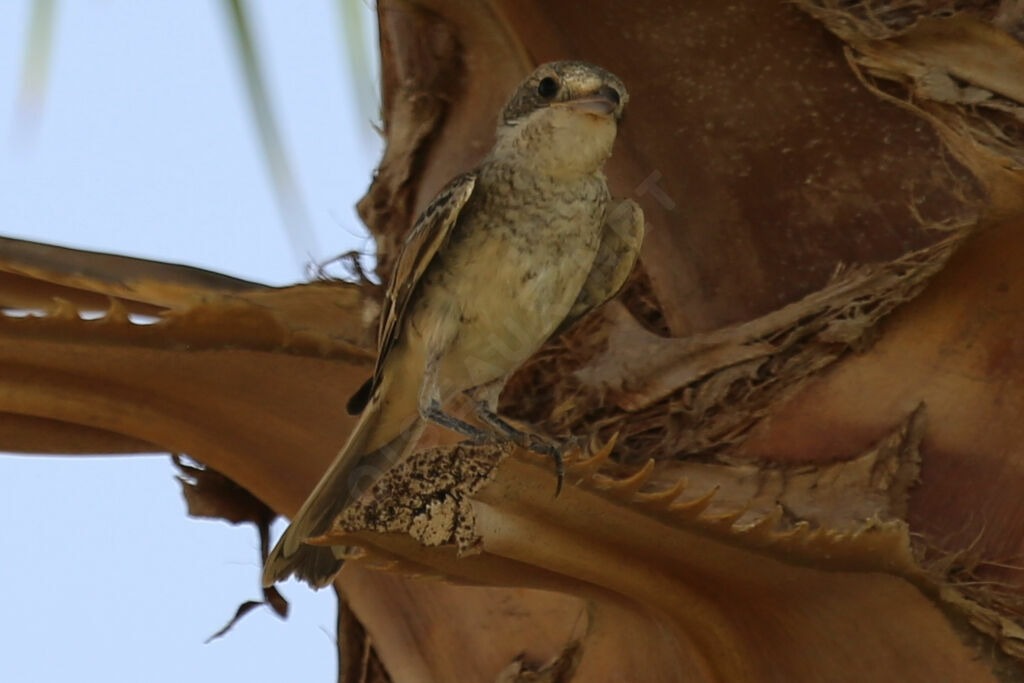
(34, 273)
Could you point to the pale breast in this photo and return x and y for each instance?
(512, 270)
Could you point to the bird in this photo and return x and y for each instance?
(505, 256)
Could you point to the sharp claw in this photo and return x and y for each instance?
(555, 453)
(559, 472)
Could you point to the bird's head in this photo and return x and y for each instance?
(563, 118)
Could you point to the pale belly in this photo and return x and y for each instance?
(516, 311)
(507, 299)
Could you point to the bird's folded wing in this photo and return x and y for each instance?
(621, 237)
(427, 236)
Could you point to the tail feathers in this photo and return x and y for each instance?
(314, 564)
(351, 474)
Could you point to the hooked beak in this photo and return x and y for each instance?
(603, 102)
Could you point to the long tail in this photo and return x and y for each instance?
(351, 473)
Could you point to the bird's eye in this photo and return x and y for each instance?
(547, 88)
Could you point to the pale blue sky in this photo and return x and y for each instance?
(146, 147)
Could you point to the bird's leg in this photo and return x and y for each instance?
(485, 400)
(431, 409)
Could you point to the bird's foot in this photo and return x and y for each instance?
(503, 431)
(530, 442)
(555, 451)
